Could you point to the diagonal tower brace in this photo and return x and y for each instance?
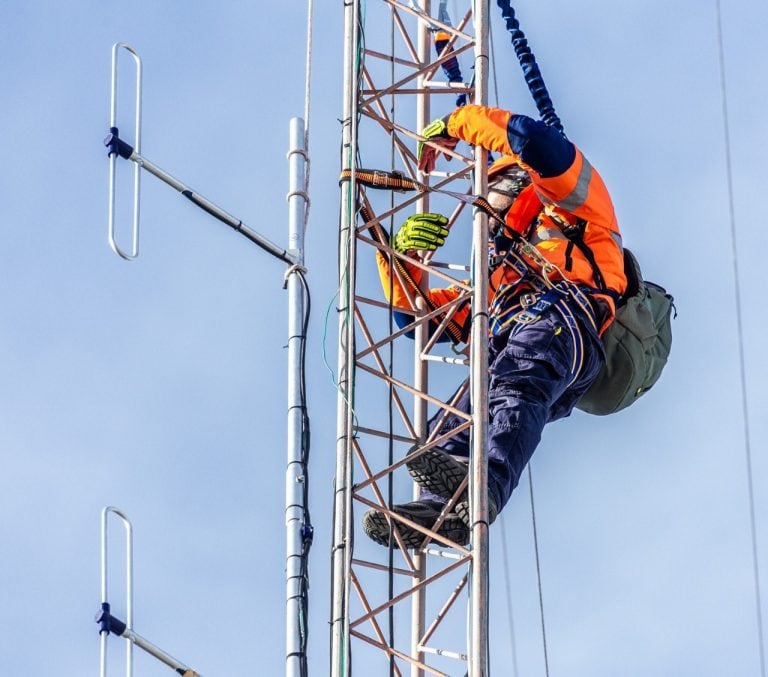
(397, 611)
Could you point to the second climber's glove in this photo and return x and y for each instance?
(422, 232)
(436, 132)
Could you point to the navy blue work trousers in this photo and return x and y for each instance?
(531, 384)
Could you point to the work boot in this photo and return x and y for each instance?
(462, 510)
(424, 513)
(436, 471)
(442, 474)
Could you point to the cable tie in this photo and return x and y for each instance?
(295, 268)
(297, 151)
(298, 193)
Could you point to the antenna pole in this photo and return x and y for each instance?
(298, 532)
(478, 657)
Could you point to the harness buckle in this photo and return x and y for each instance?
(525, 317)
(528, 299)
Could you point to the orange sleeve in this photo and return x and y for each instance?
(437, 297)
(399, 298)
(580, 191)
(482, 126)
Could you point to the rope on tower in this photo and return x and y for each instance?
(531, 72)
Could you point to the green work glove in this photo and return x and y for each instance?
(436, 132)
(422, 232)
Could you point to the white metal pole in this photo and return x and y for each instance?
(421, 367)
(295, 470)
(478, 656)
(341, 528)
(155, 651)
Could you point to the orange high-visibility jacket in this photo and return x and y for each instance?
(575, 194)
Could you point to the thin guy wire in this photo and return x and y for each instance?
(538, 570)
(509, 597)
(307, 99)
(740, 332)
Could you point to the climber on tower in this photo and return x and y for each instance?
(547, 309)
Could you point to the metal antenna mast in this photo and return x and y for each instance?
(428, 579)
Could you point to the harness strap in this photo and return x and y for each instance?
(520, 252)
(585, 249)
(530, 308)
(577, 337)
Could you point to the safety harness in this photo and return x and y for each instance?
(637, 342)
(524, 301)
(513, 305)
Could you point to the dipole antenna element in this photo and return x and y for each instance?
(109, 624)
(118, 147)
(134, 248)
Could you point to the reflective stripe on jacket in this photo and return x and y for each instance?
(566, 185)
(563, 184)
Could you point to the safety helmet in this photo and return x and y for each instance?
(504, 187)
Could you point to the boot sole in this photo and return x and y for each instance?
(438, 472)
(376, 527)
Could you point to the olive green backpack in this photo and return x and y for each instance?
(637, 345)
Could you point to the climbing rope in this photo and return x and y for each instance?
(531, 71)
(740, 333)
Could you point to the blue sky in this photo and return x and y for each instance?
(158, 386)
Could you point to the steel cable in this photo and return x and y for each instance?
(740, 334)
